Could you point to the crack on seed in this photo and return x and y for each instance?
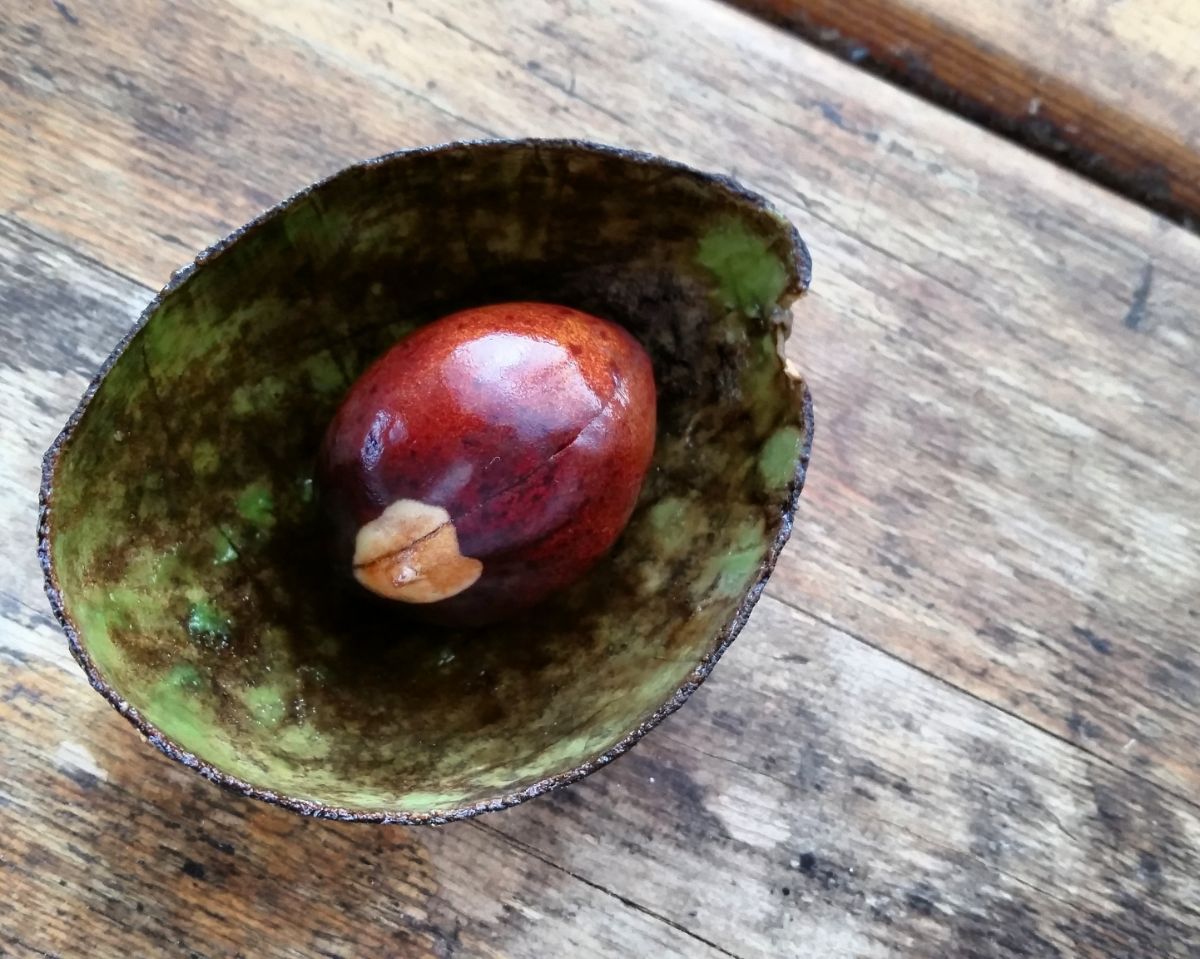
(604, 408)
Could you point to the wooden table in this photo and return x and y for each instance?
(964, 720)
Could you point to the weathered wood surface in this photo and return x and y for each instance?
(963, 724)
(1111, 89)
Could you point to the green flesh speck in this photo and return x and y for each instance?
(324, 375)
(676, 520)
(223, 549)
(266, 703)
(750, 277)
(777, 461)
(733, 566)
(205, 458)
(184, 676)
(257, 506)
(207, 626)
(264, 395)
(737, 569)
(304, 742)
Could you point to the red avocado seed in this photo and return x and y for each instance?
(489, 458)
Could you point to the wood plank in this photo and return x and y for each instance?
(817, 797)
(1110, 89)
(1004, 357)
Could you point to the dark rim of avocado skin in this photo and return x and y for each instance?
(803, 266)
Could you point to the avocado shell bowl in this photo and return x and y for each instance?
(180, 536)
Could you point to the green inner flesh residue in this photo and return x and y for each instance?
(262, 395)
(207, 626)
(268, 703)
(735, 560)
(185, 531)
(256, 506)
(777, 461)
(205, 458)
(223, 550)
(670, 518)
(184, 676)
(750, 277)
(324, 375)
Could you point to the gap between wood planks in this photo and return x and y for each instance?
(624, 900)
(941, 62)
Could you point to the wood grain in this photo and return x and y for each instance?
(856, 808)
(1003, 499)
(1109, 89)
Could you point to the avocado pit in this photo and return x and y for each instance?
(489, 459)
